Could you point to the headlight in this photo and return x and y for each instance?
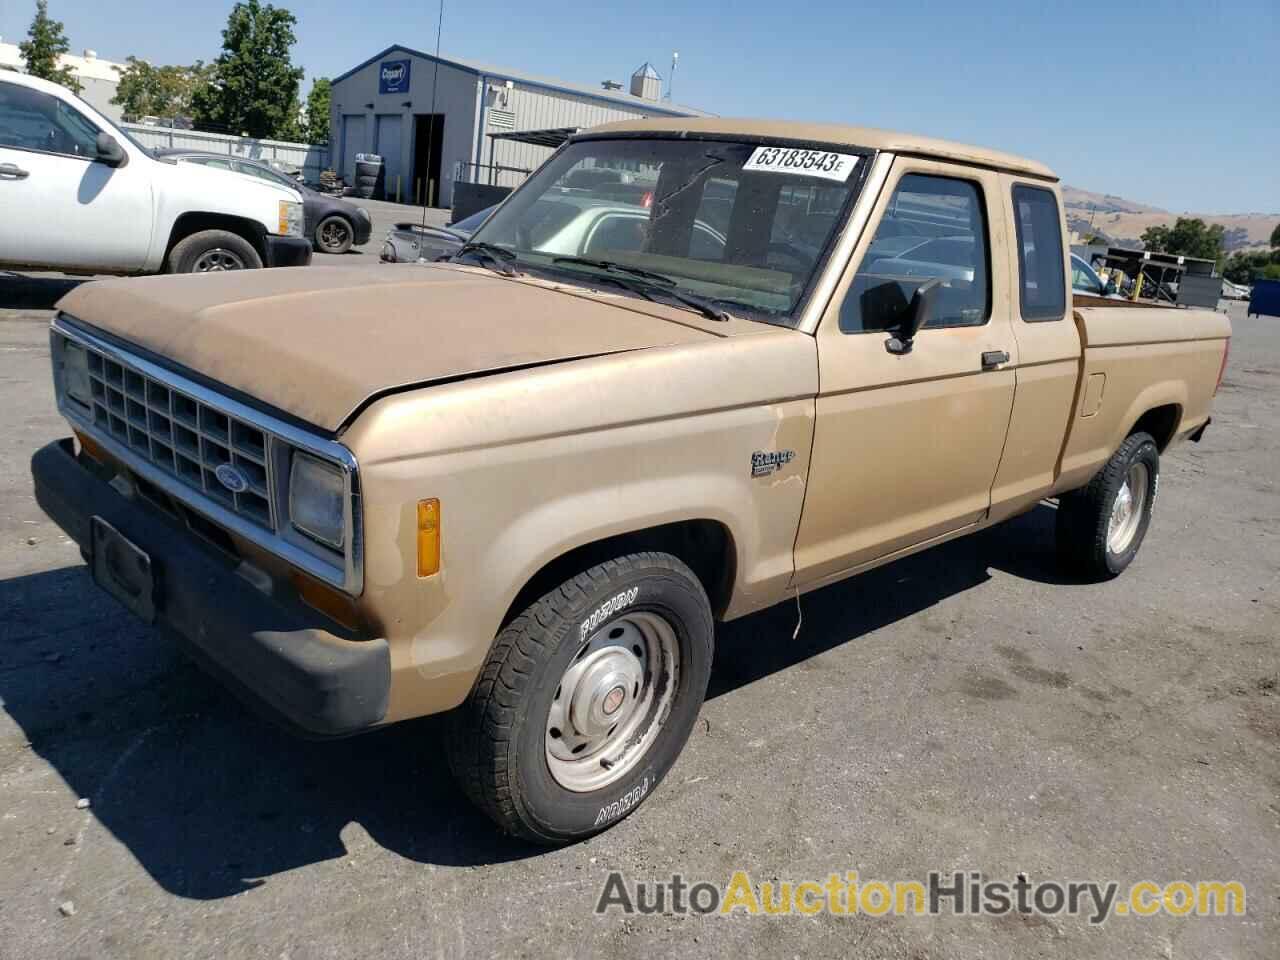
(290, 218)
(316, 500)
(75, 373)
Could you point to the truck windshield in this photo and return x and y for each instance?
(743, 226)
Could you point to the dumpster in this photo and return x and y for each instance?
(1265, 298)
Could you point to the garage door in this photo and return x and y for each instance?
(387, 144)
(352, 143)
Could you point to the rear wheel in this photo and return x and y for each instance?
(586, 699)
(213, 251)
(1101, 526)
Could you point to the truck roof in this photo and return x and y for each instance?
(832, 133)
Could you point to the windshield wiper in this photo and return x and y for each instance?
(613, 266)
(645, 282)
(499, 258)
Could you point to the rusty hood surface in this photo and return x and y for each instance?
(320, 342)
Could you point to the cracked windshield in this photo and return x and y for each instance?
(717, 227)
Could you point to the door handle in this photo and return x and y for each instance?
(14, 171)
(993, 358)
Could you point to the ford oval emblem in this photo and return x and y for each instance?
(232, 477)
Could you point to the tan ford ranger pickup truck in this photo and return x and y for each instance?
(689, 369)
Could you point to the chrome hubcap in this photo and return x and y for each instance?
(217, 259)
(611, 702)
(1126, 512)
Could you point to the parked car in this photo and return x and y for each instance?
(1085, 280)
(564, 222)
(79, 194)
(520, 488)
(333, 224)
(409, 242)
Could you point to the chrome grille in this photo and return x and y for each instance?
(182, 436)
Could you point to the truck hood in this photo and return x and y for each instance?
(319, 343)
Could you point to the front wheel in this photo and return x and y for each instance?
(334, 235)
(213, 251)
(1101, 526)
(586, 699)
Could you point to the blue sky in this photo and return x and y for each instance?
(1063, 83)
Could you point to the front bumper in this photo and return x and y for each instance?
(280, 657)
(286, 251)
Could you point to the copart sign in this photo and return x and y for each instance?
(393, 76)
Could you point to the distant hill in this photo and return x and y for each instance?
(1123, 221)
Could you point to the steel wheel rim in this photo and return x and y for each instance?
(217, 259)
(1126, 512)
(611, 702)
(333, 234)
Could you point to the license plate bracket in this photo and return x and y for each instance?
(123, 569)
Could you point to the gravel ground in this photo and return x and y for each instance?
(963, 709)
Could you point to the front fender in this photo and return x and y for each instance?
(508, 511)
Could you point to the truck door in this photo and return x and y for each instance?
(907, 445)
(1048, 344)
(62, 206)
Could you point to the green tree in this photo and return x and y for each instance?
(1189, 237)
(45, 46)
(1247, 265)
(317, 112)
(1275, 236)
(254, 84)
(166, 91)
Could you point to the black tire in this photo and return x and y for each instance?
(366, 169)
(1084, 515)
(497, 738)
(363, 180)
(334, 234)
(195, 253)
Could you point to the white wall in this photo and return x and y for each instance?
(311, 158)
(98, 78)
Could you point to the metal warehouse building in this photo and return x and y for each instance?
(432, 119)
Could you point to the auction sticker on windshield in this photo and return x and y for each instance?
(803, 163)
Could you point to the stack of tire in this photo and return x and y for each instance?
(370, 176)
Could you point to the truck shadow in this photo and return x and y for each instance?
(212, 801)
(21, 292)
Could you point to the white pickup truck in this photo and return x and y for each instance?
(79, 195)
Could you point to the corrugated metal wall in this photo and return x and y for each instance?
(536, 108)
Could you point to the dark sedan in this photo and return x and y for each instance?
(333, 224)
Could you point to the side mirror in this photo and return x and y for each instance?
(924, 306)
(110, 152)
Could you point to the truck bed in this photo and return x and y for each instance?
(1161, 363)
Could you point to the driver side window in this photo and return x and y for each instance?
(934, 228)
(32, 120)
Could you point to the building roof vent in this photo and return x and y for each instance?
(610, 85)
(646, 83)
(90, 54)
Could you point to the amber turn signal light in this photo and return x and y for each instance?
(428, 537)
(330, 602)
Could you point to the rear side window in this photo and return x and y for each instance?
(1042, 288)
(934, 228)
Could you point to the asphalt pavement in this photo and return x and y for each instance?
(967, 709)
